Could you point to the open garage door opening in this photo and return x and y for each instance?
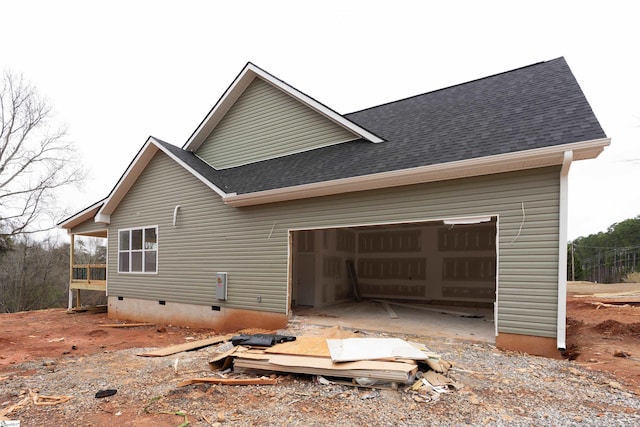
(445, 263)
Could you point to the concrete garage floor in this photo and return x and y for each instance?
(371, 316)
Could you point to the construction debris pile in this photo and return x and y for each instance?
(335, 357)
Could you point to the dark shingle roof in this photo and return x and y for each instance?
(532, 107)
(197, 164)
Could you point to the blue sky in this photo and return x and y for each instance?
(119, 71)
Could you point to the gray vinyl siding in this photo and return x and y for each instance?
(89, 226)
(251, 243)
(266, 123)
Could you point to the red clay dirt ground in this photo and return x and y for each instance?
(603, 328)
(53, 333)
(595, 332)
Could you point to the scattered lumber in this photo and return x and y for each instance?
(47, 400)
(223, 360)
(229, 381)
(384, 360)
(89, 308)
(126, 325)
(388, 309)
(312, 345)
(378, 370)
(6, 411)
(375, 361)
(302, 346)
(179, 348)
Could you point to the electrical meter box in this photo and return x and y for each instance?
(221, 286)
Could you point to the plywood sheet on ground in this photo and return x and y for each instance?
(325, 363)
(302, 346)
(393, 372)
(312, 345)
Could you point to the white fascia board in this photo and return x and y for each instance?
(240, 84)
(102, 218)
(132, 173)
(521, 160)
(127, 180)
(192, 171)
(81, 216)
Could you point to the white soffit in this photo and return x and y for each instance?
(520, 160)
(237, 88)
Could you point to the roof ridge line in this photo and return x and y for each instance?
(452, 86)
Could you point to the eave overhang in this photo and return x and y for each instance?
(80, 217)
(240, 84)
(521, 160)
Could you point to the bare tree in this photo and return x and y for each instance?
(33, 275)
(35, 160)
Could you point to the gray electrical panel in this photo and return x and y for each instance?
(221, 286)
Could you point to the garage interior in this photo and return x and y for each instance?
(422, 269)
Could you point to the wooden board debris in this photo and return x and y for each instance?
(193, 345)
(47, 400)
(6, 411)
(383, 371)
(312, 345)
(434, 309)
(302, 346)
(388, 309)
(222, 360)
(88, 308)
(126, 325)
(229, 381)
(325, 363)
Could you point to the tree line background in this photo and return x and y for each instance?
(34, 274)
(611, 256)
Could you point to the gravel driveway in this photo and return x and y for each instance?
(500, 388)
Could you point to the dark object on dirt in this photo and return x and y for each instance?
(620, 353)
(574, 322)
(572, 352)
(260, 340)
(105, 393)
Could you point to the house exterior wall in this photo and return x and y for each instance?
(88, 227)
(251, 243)
(265, 123)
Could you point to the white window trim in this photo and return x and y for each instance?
(130, 251)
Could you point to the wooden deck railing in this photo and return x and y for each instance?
(89, 276)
